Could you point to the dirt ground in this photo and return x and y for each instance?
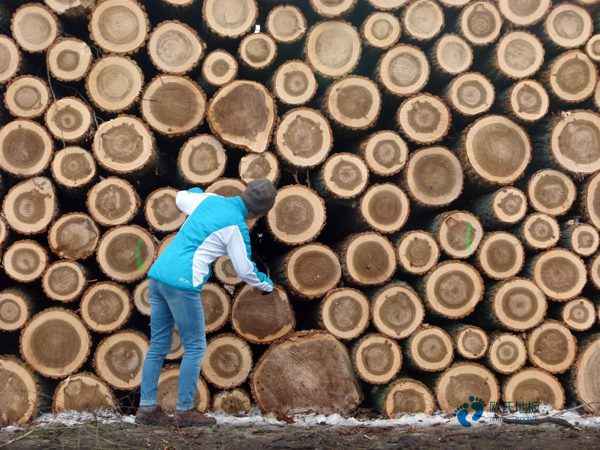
(125, 436)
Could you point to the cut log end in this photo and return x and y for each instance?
(227, 362)
(119, 26)
(385, 153)
(69, 59)
(161, 211)
(175, 47)
(462, 383)
(73, 167)
(73, 236)
(344, 313)
(418, 252)
(424, 118)
(458, 233)
(258, 167)
(219, 68)
(294, 83)
(453, 55)
(230, 20)
(552, 347)
(583, 239)
(434, 177)
(227, 187)
(257, 51)
(508, 206)
(387, 5)
(430, 349)
(585, 375)
(532, 385)
(397, 311)
(113, 201)
(168, 383)
(286, 24)
(119, 359)
(501, 255)
(311, 270)
(125, 253)
(344, 176)
(335, 8)
(551, 192)
(34, 27)
(55, 343)
(564, 85)
(25, 261)
(141, 297)
(574, 141)
(423, 19)
(64, 281)
(507, 353)
(69, 119)
(471, 94)
(470, 342)
(568, 26)
(353, 102)
(480, 23)
(381, 30)
(368, 259)
(217, 307)
(20, 396)
(25, 148)
(403, 70)
(377, 359)
(407, 396)
(262, 318)
(304, 137)
(105, 307)
(540, 231)
(529, 101)
(202, 160)
(519, 54)
(298, 215)
(385, 208)
(27, 97)
(590, 201)
(225, 272)
(518, 304)
(579, 314)
(233, 402)
(559, 273)
(11, 57)
(524, 13)
(592, 48)
(15, 309)
(342, 52)
(114, 83)
(83, 392)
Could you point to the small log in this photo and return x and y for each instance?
(458, 233)
(304, 137)
(528, 101)
(584, 375)
(423, 19)
(581, 238)
(114, 83)
(385, 153)
(141, 299)
(257, 51)
(579, 314)
(73, 236)
(519, 54)
(202, 160)
(454, 3)
(83, 392)
(71, 8)
(568, 26)
(69, 59)
(234, 402)
(225, 272)
(259, 166)
(404, 396)
(471, 94)
(387, 5)
(25, 148)
(25, 261)
(286, 24)
(16, 308)
(124, 145)
(227, 362)
(227, 187)
(377, 359)
(219, 68)
(344, 313)
(327, 8)
(452, 55)
(500, 255)
(230, 20)
(27, 97)
(217, 307)
(385, 208)
(516, 304)
(353, 103)
(125, 253)
(495, 150)
(119, 359)
(507, 353)
(531, 385)
(11, 57)
(592, 48)
(417, 251)
(174, 47)
(502, 208)
(298, 215)
(559, 273)
(574, 140)
(64, 281)
(294, 83)
(310, 271)
(30, 206)
(424, 118)
(243, 114)
(20, 396)
(572, 77)
(73, 168)
(119, 26)
(105, 307)
(308, 372)
(403, 70)
(161, 212)
(55, 343)
(262, 318)
(590, 204)
(552, 347)
(433, 177)
(340, 55)
(539, 231)
(462, 383)
(69, 119)
(470, 342)
(480, 23)
(168, 386)
(34, 27)
(397, 311)
(524, 13)
(343, 176)
(368, 259)
(452, 289)
(551, 192)
(113, 201)
(429, 349)
(381, 30)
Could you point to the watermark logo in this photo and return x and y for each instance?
(470, 412)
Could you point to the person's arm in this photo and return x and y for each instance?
(239, 251)
(188, 201)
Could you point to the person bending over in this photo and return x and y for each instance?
(215, 226)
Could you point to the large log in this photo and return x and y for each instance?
(519, 54)
(559, 273)
(500, 255)
(403, 70)
(385, 208)
(340, 55)
(83, 392)
(524, 13)
(516, 304)
(423, 19)
(175, 47)
(114, 83)
(552, 347)
(368, 259)
(353, 103)
(568, 26)
(551, 192)
(562, 82)
(25, 149)
(286, 24)
(73, 236)
(584, 374)
(480, 23)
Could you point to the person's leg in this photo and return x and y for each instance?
(161, 329)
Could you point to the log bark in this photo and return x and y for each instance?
(34, 27)
(27, 97)
(501, 255)
(119, 26)
(341, 56)
(507, 353)
(21, 395)
(217, 307)
(429, 349)
(385, 153)
(579, 314)
(25, 261)
(417, 251)
(344, 313)
(368, 259)
(16, 308)
(534, 385)
(516, 304)
(227, 362)
(105, 307)
(377, 359)
(202, 160)
(69, 59)
(397, 311)
(25, 150)
(175, 47)
(114, 83)
(404, 396)
(552, 347)
(113, 201)
(83, 392)
(168, 384)
(64, 281)
(234, 402)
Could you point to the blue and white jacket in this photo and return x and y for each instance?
(216, 226)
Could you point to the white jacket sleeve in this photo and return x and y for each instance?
(239, 252)
(188, 201)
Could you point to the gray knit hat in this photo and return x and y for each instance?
(259, 197)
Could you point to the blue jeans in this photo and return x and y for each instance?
(171, 306)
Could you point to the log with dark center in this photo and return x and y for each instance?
(294, 83)
(234, 402)
(500, 255)
(161, 212)
(528, 101)
(30, 206)
(217, 307)
(502, 208)
(516, 304)
(27, 97)
(458, 233)
(69, 119)
(559, 273)
(480, 23)
(584, 377)
(258, 166)
(368, 259)
(424, 119)
(381, 30)
(201, 160)
(575, 142)
(16, 308)
(572, 77)
(539, 231)
(507, 353)
(25, 261)
(385, 153)
(83, 392)
(417, 251)
(20, 396)
(534, 385)
(25, 149)
(385, 208)
(582, 238)
(112, 201)
(579, 314)
(257, 51)
(404, 396)
(429, 349)
(105, 307)
(470, 94)
(227, 361)
(219, 68)
(69, 59)
(551, 192)
(470, 342)
(64, 281)
(377, 359)
(552, 347)
(344, 313)
(396, 310)
(73, 168)
(353, 103)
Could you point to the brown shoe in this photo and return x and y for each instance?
(193, 418)
(153, 416)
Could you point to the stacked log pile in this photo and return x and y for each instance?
(436, 229)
